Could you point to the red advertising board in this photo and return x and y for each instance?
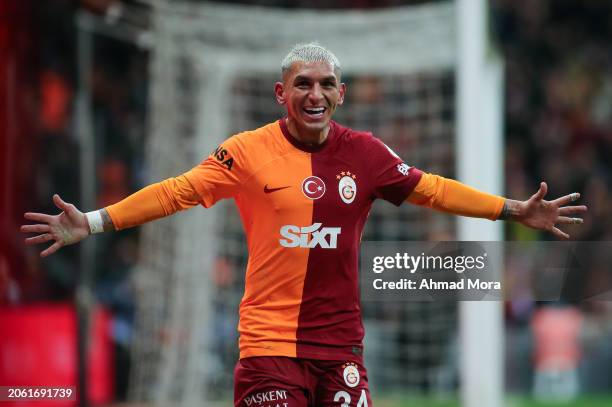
(38, 347)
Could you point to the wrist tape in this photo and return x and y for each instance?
(96, 224)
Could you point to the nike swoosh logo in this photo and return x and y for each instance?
(269, 190)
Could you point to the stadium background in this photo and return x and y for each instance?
(558, 127)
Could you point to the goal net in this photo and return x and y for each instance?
(212, 74)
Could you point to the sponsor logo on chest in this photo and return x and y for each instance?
(309, 236)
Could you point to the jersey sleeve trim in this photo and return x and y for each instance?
(397, 195)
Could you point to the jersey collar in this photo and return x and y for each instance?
(303, 146)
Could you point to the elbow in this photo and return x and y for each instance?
(166, 198)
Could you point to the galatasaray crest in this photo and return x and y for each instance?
(350, 374)
(347, 188)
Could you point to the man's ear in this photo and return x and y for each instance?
(342, 90)
(279, 92)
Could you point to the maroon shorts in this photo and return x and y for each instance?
(276, 381)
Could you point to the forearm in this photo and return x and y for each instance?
(453, 197)
(141, 207)
(152, 202)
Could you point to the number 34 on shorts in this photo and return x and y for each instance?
(345, 398)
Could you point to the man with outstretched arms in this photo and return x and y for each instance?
(304, 186)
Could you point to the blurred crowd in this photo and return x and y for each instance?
(558, 128)
(45, 156)
(558, 112)
(559, 103)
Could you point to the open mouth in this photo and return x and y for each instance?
(314, 112)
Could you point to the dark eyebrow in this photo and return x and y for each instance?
(329, 79)
(300, 78)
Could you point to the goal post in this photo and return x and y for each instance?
(480, 163)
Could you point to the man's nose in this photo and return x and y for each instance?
(315, 93)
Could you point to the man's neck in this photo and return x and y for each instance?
(311, 139)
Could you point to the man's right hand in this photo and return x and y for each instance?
(69, 227)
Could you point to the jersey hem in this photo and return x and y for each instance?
(314, 352)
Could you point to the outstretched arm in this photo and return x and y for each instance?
(71, 225)
(539, 214)
(454, 197)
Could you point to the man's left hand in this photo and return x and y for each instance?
(540, 214)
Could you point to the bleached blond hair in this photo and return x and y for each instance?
(310, 52)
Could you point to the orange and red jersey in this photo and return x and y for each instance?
(303, 209)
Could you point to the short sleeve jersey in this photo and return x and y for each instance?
(303, 209)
